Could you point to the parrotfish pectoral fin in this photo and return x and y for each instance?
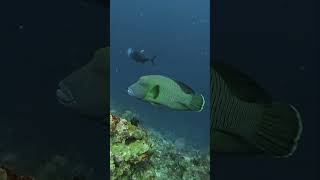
(155, 91)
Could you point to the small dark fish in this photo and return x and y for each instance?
(164, 91)
(86, 90)
(139, 56)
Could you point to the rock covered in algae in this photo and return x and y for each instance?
(130, 149)
(138, 153)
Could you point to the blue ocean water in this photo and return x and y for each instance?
(178, 33)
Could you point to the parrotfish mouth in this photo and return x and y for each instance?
(64, 95)
(130, 92)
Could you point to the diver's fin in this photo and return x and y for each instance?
(152, 60)
(279, 131)
(197, 102)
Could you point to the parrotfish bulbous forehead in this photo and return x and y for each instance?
(86, 89)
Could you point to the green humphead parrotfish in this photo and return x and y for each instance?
(168, 92)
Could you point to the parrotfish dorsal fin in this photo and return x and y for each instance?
(241, 85)
(185, 88)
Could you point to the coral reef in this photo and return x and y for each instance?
(130, 148)
(171, 162)
(140, 153)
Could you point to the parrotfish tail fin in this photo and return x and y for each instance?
(197, 103)
(152, 60)
(280, 130)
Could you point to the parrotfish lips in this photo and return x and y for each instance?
(64, 95)
(130, 92)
